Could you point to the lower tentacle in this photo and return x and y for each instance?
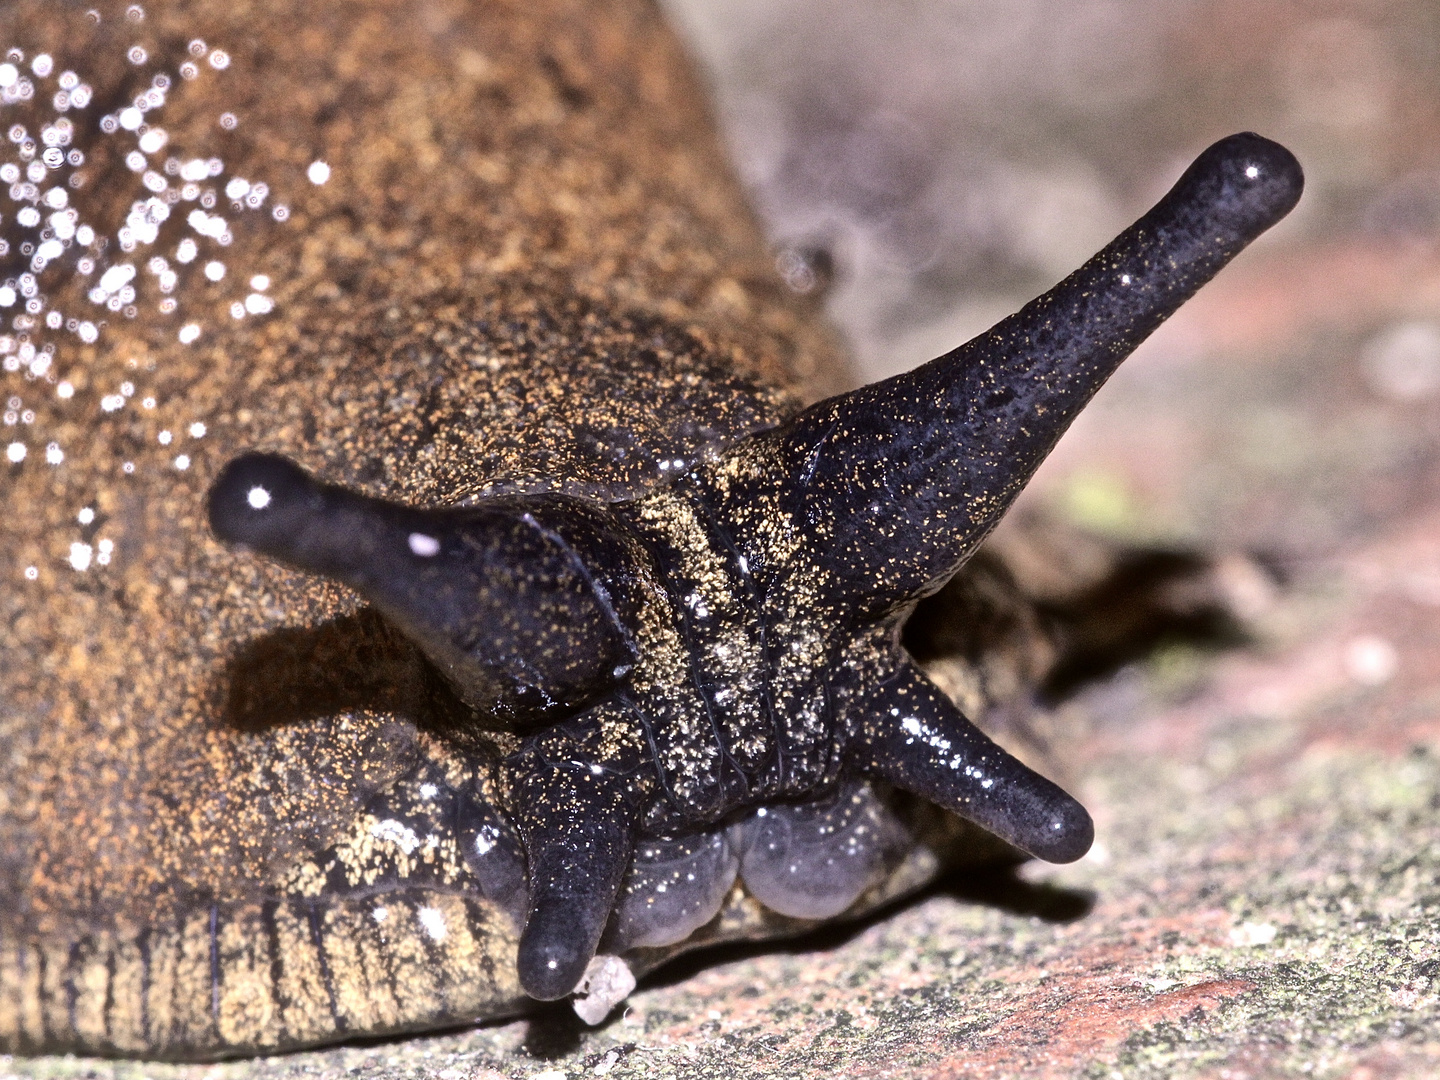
(910, 735)
(577, 824)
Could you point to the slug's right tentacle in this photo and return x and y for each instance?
(577, 822)
(508, 599)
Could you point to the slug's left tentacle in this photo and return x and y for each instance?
(577, 823)
(909, 734)
(895, 484)
(509, 598)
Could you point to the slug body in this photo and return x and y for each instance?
(546, 610)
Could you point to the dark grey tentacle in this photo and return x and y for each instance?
(895, 484)
(909, 734)
(577, 823)
(509, 599)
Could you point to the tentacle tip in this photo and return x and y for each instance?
(554, 954)
(255, 498)
(1068, 835)
(1261, 180)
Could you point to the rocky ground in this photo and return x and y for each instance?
(1264, 893)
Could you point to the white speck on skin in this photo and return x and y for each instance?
(318, 172)
(434, 923)
(80, 555)
(396, 833)
(424, 546)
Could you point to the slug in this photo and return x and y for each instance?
(442, 570)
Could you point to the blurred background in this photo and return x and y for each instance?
(933, 164)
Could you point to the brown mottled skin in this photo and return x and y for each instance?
(529, 269)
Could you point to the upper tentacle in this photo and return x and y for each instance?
(524, 603)
(895, 484)
(910, 735)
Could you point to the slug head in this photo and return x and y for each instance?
(729, 643)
